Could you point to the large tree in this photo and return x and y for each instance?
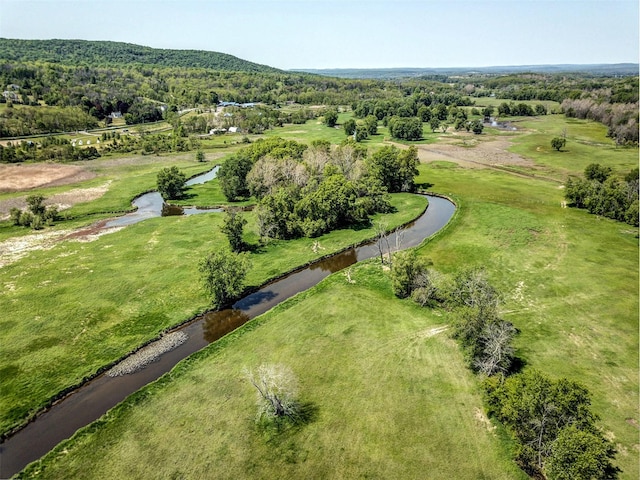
(393, 168)
(223, 273)
(232, 176)
(331, 117)
(171, 183)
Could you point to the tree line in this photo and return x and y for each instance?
(555, 431)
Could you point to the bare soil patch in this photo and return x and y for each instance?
(16, 178)
(473, 153)
(14, 249)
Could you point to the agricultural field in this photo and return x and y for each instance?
(386, 387)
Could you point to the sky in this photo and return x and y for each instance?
(296, 34)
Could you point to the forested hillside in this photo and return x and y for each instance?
(100, 53)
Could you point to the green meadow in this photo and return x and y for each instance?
(147, 281)
(387, 389)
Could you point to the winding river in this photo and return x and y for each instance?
(94, 398)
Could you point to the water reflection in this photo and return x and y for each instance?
(216, 325)
(337, 262)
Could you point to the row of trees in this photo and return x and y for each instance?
(550, 420)
(602, 193)
(48, 149)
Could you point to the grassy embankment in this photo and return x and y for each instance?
(390, 400)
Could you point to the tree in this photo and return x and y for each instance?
(232, 176)
(200, 156)
(371, 124)
(36, 204)
(349, 126)
(405, 128)
(497, 350)
(487, 111)
(477, 127)
(171, 183)
(540, 109)
(406, 270)
(232, 227)
(331, 117)
(434, 123)
(580, 455)
(504, 109)
(597, 172)
(223, 273)
(277, 390)
(558, 143)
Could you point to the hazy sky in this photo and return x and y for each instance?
(292, 34)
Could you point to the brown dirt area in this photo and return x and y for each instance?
(473, 154)
(15, 178)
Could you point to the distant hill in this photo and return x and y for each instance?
(97, 53)
(622, 69)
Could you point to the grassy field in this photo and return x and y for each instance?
(570, 282)
(389, 395)
(586, 143)
(391, 398)
(148, 281)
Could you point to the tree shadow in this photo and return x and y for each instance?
(517, 365)
(276, 430)
(423, 186)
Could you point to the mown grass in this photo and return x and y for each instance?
(389, 399)
(570, 285)
(73, 309)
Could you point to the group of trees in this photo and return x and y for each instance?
(47, 149)
(603, 193)
(620, 118)
(521, 109)
(485, 338)
(553, 425)
(36, 215)
(309, 191)
(18, 121)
